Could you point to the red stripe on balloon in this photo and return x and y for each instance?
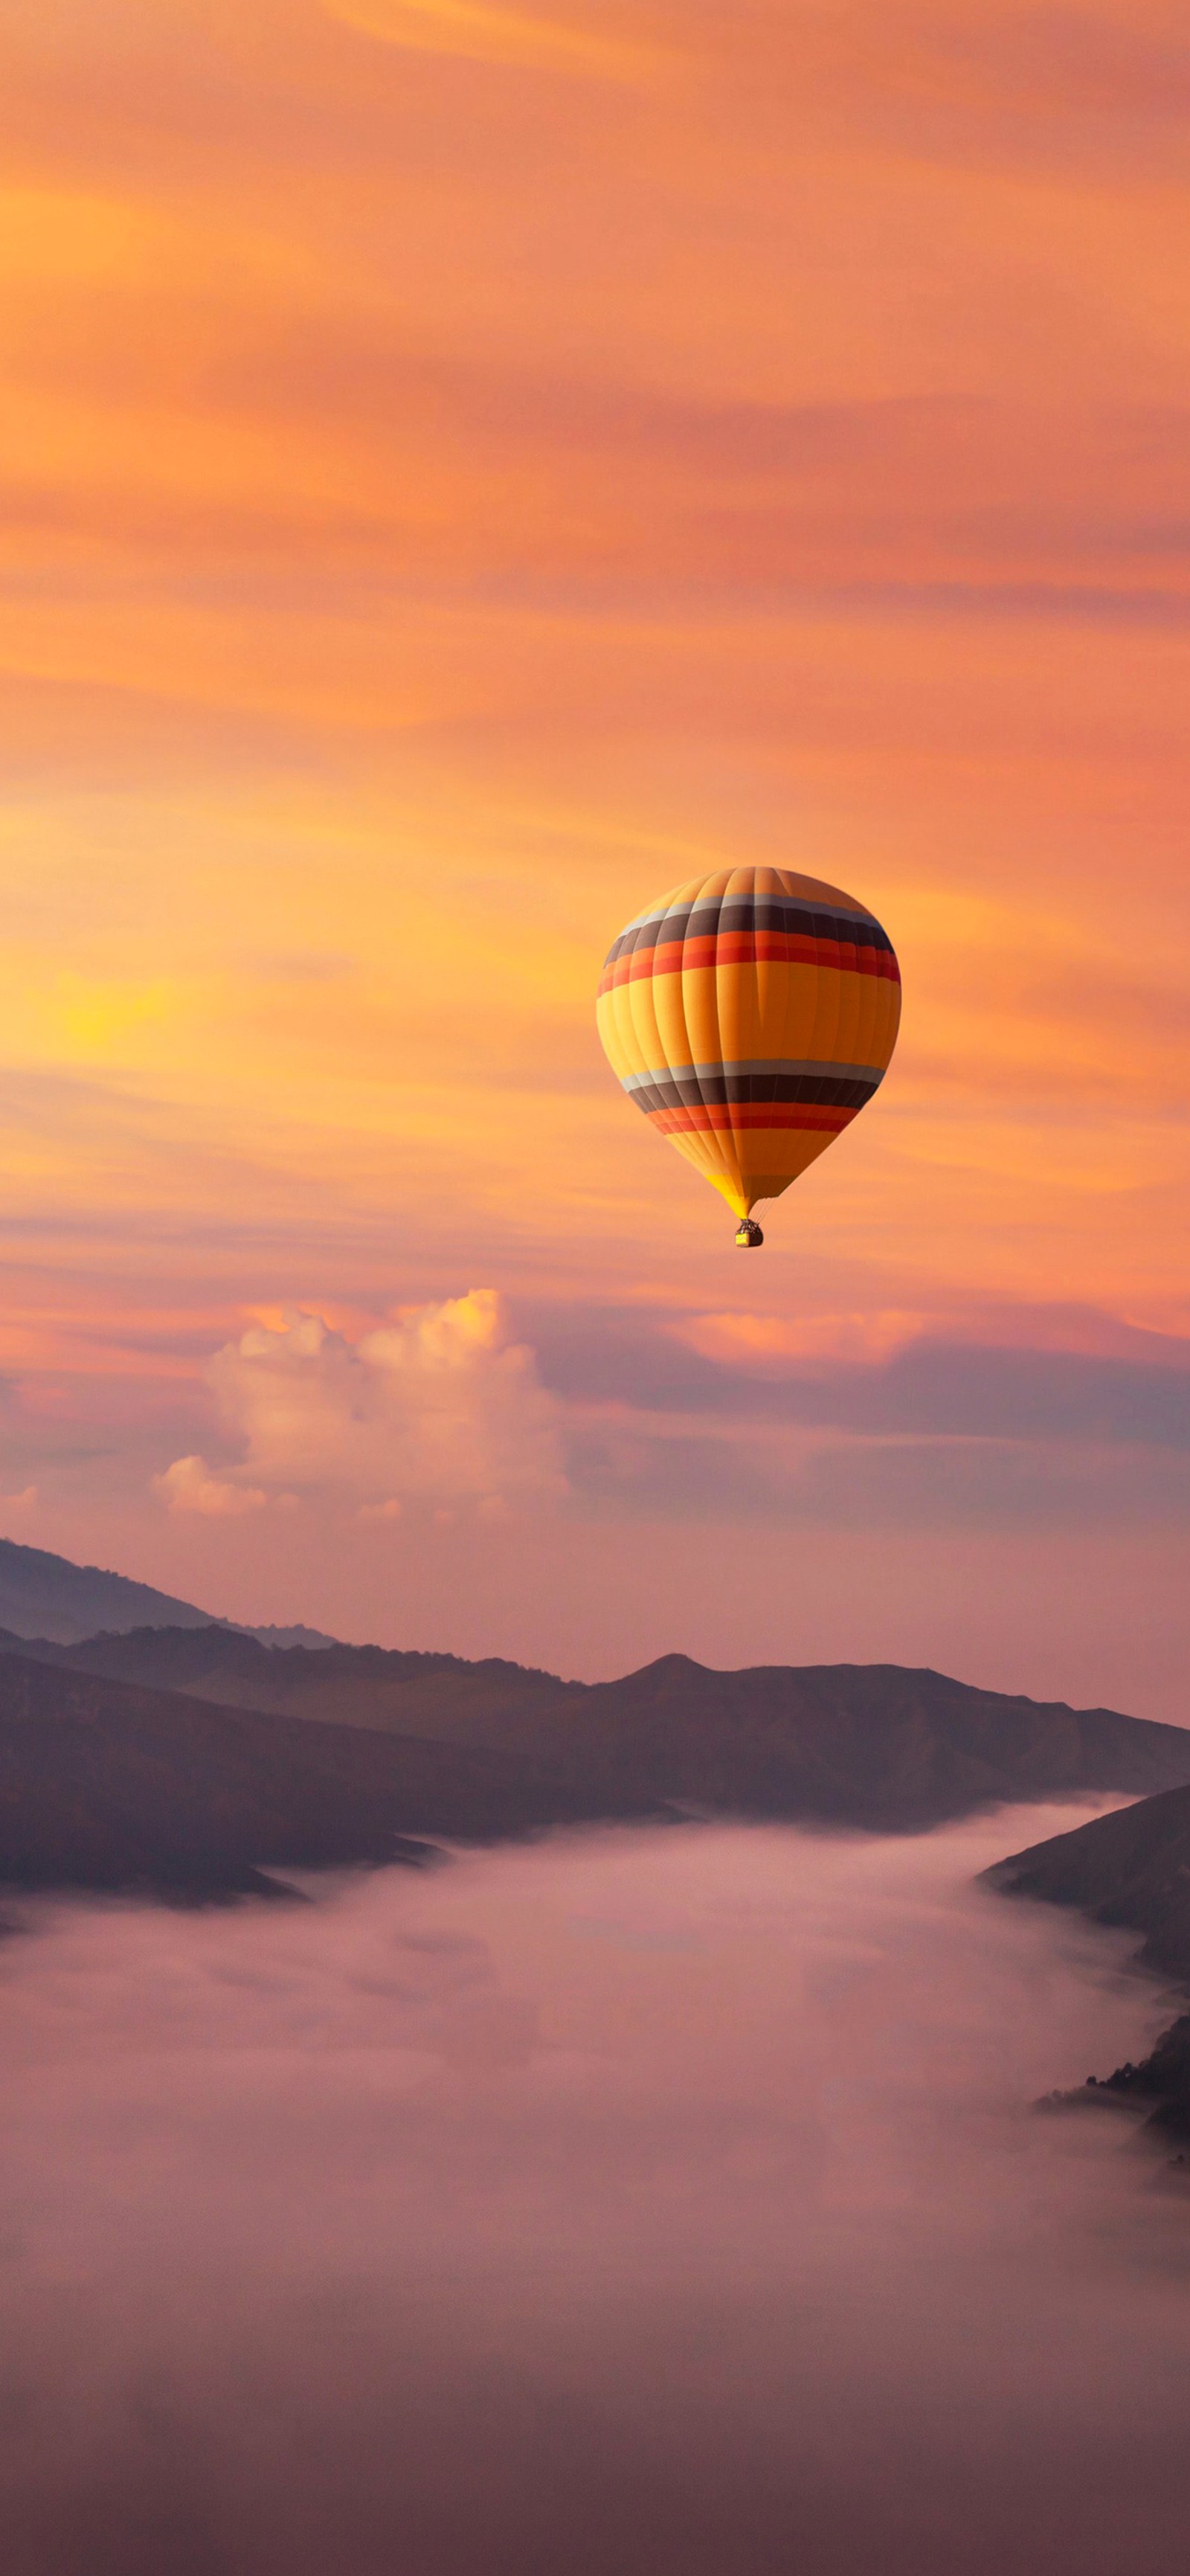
(723, 1118)
(748, 948)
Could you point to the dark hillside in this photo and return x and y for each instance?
(44, 1596)
(490, 1748)
(868, 1744)
(370, 1686)
(105, 1785)
(1131, 1869)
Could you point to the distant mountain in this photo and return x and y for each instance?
(857, 1744)
(372, 1686)
(1131, 1869)
(46, 1596)
(107, 1786)
(298, 1635)
(114, 1748)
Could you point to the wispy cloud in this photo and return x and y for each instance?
(494, 35)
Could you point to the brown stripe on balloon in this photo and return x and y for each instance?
(735, 1090)
(756, 913)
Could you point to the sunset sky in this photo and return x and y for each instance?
(468, 469)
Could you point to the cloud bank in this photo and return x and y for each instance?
(440, 1407)
(847, 1420)
(663, 2203)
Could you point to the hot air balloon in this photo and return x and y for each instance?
(750, 1014)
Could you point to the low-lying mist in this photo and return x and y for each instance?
(642, 2204)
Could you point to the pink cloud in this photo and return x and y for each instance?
(191, 1486)
(439, 1406)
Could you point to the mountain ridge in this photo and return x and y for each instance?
(483, 1750)
(1131, 1870)
(106, 1785)
(495, 1700)
(48, 1596)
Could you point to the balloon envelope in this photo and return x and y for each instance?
(751, 1014)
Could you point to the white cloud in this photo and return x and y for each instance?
(191, 1486)
(440, 1406)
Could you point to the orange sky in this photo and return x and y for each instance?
(467, 468)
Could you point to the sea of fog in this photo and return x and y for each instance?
(647, 2203)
